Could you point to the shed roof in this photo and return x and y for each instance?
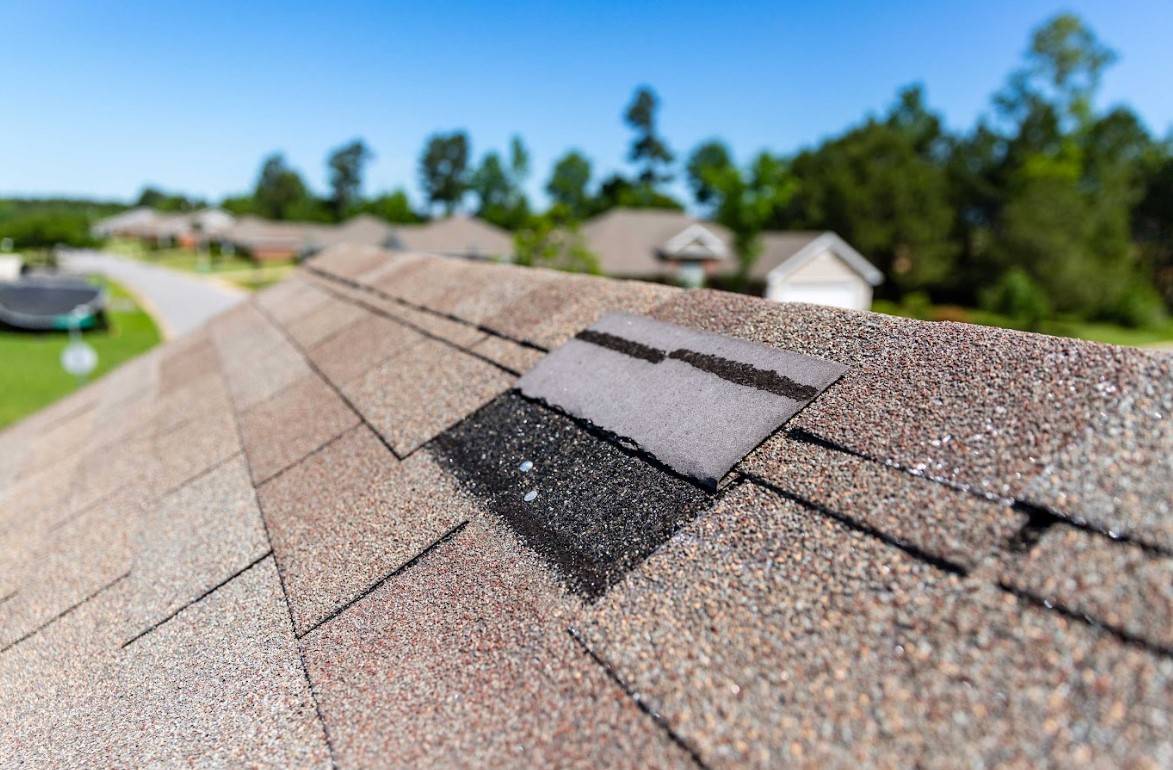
(299, 536)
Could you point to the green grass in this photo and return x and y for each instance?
(31, 376)
(1161, 336)
(238, 270)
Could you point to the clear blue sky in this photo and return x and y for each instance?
(99, 98)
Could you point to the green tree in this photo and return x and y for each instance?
(1069, 176)
(649, 151)
(279, 191)
(711, 156)
(569, 182)
(744, 201)
(883, 187)
(501, 197)
(546, 242)
(394, 207)
(345, 166)
(444, 172)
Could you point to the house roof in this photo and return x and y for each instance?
(456, 236)
(628, 242)
(303, 536)
(363, 229)
(784, 253)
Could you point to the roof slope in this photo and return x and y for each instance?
(626, 240)
(456, 236)
(300, 536)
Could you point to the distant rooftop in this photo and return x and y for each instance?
(327, 530)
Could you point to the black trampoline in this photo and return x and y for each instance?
(42, 303)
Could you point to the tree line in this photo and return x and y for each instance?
(1047, 206)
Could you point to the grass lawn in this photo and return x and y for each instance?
(236, 269)
(31, 376)
(1084, 330)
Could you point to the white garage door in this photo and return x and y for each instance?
(838, 294)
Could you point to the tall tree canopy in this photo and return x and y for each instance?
(569, 182)
(346, 165)
(444, 172)
(649, 151)
(279, 190)
(499, 187)
(883, 187)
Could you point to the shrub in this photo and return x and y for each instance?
(1018, 296)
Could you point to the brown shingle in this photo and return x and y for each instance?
(1117, 584)
(462, 661)
(943, 523)
(348, 516)
(418, 393)
(279, 432)
(768, 635)
(366, 344)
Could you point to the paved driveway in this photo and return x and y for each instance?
(179, 302)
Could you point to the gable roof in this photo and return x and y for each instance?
(630, 242)
(784, 253)
(457, 236)
(303, 536)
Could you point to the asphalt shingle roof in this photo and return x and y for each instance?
(300, 537)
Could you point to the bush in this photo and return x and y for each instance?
(1017, 295)
(917, 304)
(1139, 307)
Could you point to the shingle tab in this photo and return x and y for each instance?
(768, 635)
(279, 432)
(697, 402)
(416, 394)
(1118, 584)
(190, 541)
(463, 661)
(350, 515)
(942, 522)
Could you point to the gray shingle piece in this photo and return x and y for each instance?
(696, 422)
(1117, 584)
(351, 514)
(190, 541)
(768, 635)
(414, 395)
(463, 661)
(945, 523)
(981, 407)
(293, 423)
(1119, 476)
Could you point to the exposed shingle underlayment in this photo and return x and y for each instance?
(327, 530)
(697, 402)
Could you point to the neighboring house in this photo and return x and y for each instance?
(816, 267)
(271, 241)
(364, 229)
(819, 268)
(129, 224)
(456, 236)
(658, 245)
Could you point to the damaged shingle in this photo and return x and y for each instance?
(584, 504)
